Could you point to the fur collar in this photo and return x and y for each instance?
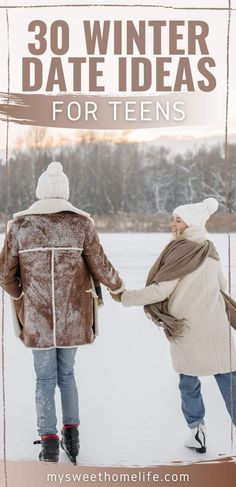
(51, 205)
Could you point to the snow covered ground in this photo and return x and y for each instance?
(129, 397)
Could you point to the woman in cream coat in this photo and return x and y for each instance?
(204, 347)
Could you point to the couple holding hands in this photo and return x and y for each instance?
(52, 264)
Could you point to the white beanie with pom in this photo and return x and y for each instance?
(53, 183)
(197, 214)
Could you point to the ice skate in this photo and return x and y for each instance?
(50, 448)
(197, 439)
(70, 442)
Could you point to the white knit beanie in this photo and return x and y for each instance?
(197, 214)
(53, 183)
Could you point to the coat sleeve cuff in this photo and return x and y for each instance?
(118, 291)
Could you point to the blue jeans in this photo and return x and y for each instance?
(55, 366)
(192, 403)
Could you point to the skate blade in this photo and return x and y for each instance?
(202, 449)
(47, 462)
(72, 459)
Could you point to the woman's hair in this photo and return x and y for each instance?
(178, 233)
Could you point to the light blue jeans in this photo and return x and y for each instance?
(55, 366)
(192, 403)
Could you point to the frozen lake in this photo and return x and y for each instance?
(129, 398)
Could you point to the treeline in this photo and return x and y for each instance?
(110, 179)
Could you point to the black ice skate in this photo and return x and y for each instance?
(50, 448)
(70, 442)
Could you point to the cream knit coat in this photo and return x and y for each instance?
(204, 347)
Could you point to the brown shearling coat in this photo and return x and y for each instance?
(53, 259)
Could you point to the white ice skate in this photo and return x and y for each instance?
(197, 439)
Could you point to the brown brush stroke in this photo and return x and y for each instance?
(228, 172)
(29, 473)
(3, 388)
(170, 7)
(36, 109)
(227, 109)
(7, 197)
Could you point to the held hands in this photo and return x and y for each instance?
(116, 297)
(117, 294)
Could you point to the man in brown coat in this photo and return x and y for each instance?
(51, 265)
